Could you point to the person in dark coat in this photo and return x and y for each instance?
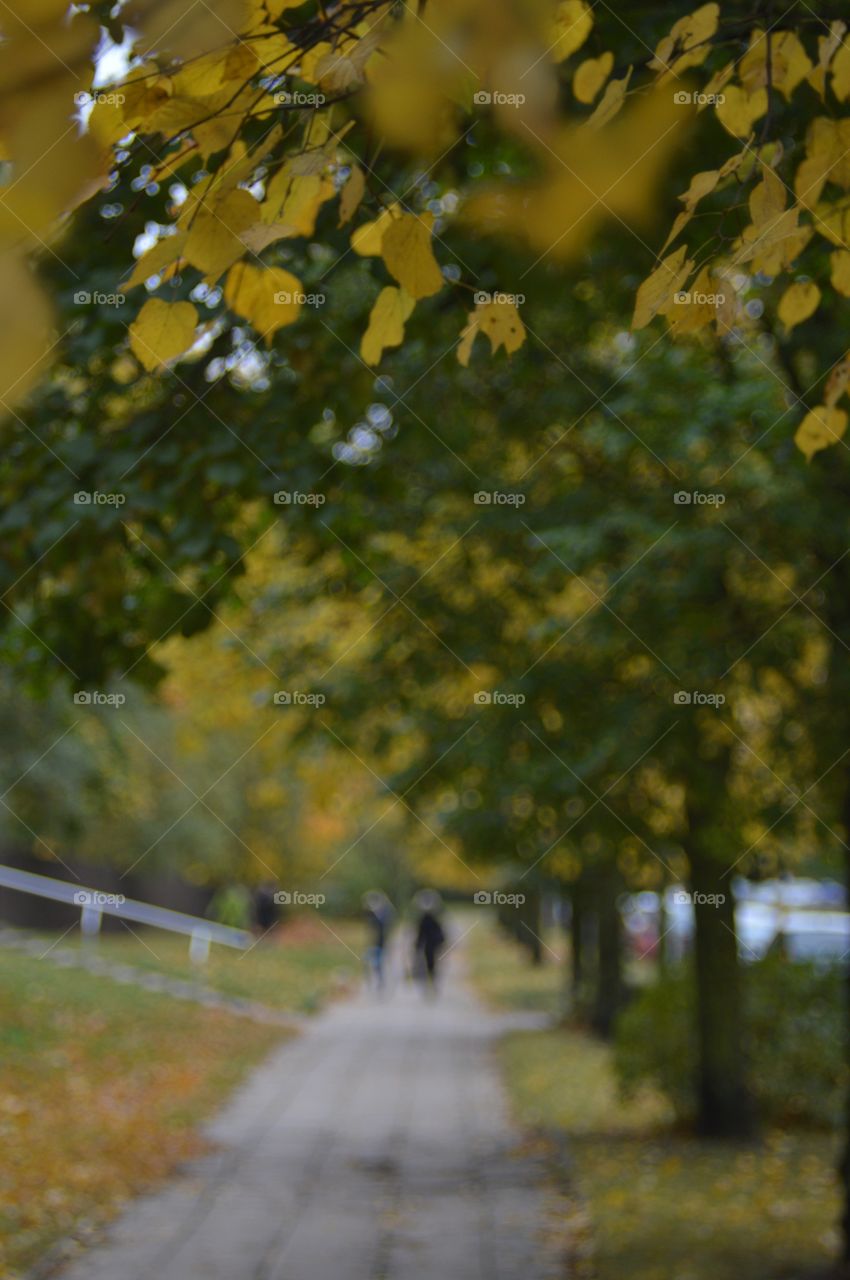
(430, 936)
(379, 914)
(265, 908)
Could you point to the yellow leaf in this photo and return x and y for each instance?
(810, 179)
(407, 252)
(591, 76)
(26, 331)
(839, 267)
(571, 24)
(368, 237)
(500, 321)
(780, 249)
(295, 199)
(798, 302)
(188, 29)
(162, 331)
(610, 103)
(833, 223)
(161, 255)
(789, 62)
(716, 84)
(702, 184)
(732, 164)
(696, 307)
(739, 110)
(340, 70)
(680, 222)
(176, 112)
(274, 50)
(827, 46)
(106, 123)
(215, 233)
(767, 199)
(836, 383)
(351, 195)
(776, 242)
(688, 42)
(54, 168)
(819, 429)
(267, 297)
(259, 236)
(656, 293)
(386, 323)
(201, 77)
(414, 91)
(841, 73)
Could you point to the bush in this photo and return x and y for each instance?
(794, 1041)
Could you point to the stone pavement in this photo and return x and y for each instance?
(374, 1146)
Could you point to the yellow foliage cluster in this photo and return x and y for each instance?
(788, 209)
(262, 116)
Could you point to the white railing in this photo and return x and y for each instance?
(95, 903)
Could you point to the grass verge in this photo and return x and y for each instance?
(662, 1205)
(295, 969)
(101, 1089)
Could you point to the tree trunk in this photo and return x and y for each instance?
(724, 1104)
(844, 1167)
(576, 941)
(608, 995)
(531, 926)
(662, 954)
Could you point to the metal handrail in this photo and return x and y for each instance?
(95, 903)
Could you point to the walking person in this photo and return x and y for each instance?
(379, 913)
(430, 938)
(266, 912)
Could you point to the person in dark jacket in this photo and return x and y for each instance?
(430, 936)
(379, 914)
(266, 912)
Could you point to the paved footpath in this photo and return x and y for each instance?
(375, 1146)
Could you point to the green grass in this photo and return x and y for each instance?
(661, 1205)
(296, 969)
(102, 1087)
(507, 980)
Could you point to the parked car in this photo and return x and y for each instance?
(815, 937)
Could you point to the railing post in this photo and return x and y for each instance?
(199, 946)
(91, 918)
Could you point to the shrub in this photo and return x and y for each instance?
(794, 1041)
